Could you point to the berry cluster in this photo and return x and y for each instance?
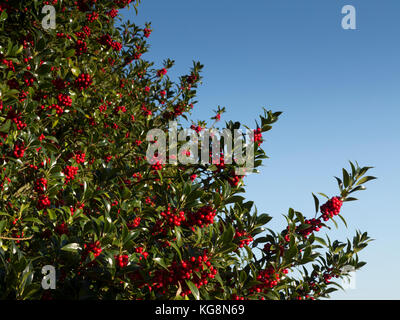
(62, 228)
(107, 41)
(314, 225)
(22, 95)
(178, 110)
(258, 136)
(147, 32)
(80, 157)
(196, 128)
(43, 202)
(60, 84)
(83, 81)
(29, 79)
(9, 64)
(64, 100)
(84, 33)
(191, 79)
(157, 166)
(122, 3)
(107, 158)
(17, 235)
(244, 238)
(198, 270)
(61, 35)
(329, 274)
(70, 172)
(146, 112)
(219, 163)
(53, 2)
(19, 150)
(80, 47)
(59, 110)
(143, 253)
(234, 179)
(202, 217)
(16, 118)
(84, 5)
(137, 175)
(92, 17)
(161, 72)
(112, 13)
(269, 278)
(236, 297)
(331, 208)
(117, 46)
(173, 217)
(6, 181)
(94, 248)
(40, 185)
(122, 260)
(134, 224)
(119, 108)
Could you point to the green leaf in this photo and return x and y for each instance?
(249, 253)
(227, 236)
(69, 53)
(71, 247)
(3, 16)
(344, 221)
(6, 126)
(194, 289)
(234, 199)
(291, 213)
(349, 199)
(316, 202)
(340, 183)
(365, 179)
(75, 71)
(55, 123)
(2, 225)
(33, 219)
(357, 189)
(335, 223)
(263, 219)
(161, 262)
(173, 245)
(346, 178)
(321, 241)
(291, 252)
(44, 69)
(52, 214)
(41, 44)
(353, 169)
(178, 236)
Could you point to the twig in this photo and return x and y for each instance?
(19, 239)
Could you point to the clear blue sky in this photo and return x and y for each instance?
(339, 91)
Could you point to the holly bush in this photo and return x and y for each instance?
(78, 192)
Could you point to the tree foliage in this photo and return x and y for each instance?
(78, 193)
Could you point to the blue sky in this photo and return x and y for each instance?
(339, 91)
